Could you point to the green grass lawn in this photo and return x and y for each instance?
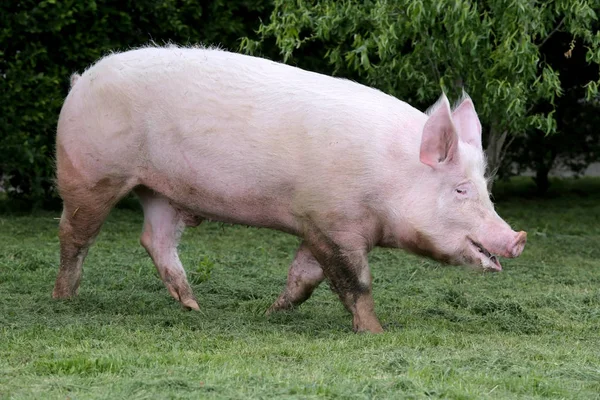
(532, 331)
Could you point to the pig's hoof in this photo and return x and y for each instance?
(368, 331)
(278, 306)
(61, 294)
(368, 328)
(272, 310)
(190, 304)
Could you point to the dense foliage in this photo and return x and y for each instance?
(413, 49)
(577, 142)
(43, 42)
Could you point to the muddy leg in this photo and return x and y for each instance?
(350, 277)
(304, 276)
(163, 226)
(85, 207)
(79, 226)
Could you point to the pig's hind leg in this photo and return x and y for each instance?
(163, 226)
(304, 276)
(88, 196)
(85, 207)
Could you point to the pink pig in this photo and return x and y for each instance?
(207, 134)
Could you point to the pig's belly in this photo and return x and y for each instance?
(227, 199)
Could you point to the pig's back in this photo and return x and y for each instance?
(213, 85)
(239, 127)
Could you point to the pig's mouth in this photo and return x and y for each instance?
(488, 260)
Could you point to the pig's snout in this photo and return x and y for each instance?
(503, 241)
(516, 247)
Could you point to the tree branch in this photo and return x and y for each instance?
(433, 64)
(434, 68)
(504, 151)
(553, 32)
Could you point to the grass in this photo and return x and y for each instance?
(532, 331)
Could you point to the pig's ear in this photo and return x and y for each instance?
(439, 143)
(467, 122)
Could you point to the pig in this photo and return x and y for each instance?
(205, 134)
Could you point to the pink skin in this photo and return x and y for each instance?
(456, 223)
(206, 134)
(163, 225)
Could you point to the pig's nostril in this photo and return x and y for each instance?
(522, 236)
(519, 244)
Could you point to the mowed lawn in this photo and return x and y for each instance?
(532, 331)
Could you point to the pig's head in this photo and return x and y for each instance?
(454, 219)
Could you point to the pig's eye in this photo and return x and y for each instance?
(463, 190)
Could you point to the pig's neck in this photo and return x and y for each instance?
(410, 239)
(398, 237)
(401, 215)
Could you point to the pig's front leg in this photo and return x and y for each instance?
(304, 276)
(345, 265)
